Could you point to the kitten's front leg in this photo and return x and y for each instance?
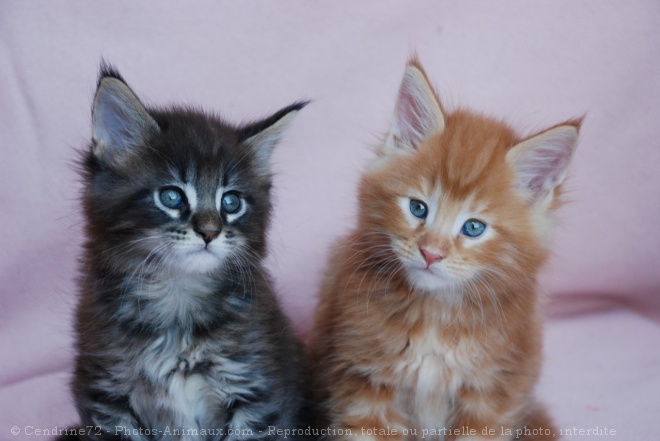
(486, 419)
(368, 412)
(480, 429)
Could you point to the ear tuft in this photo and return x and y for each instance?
(417, 114)
(119, 120)
(107, 70)
(262, 136)
(541, 161)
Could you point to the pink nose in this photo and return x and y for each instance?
(430, 257)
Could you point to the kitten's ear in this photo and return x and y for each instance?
(262, 136)
(119, 120)
(541, 161)
(417, 115)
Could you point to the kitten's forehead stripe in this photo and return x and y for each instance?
(463, 160)
(207, 183)
(184, 174)
(223, 178)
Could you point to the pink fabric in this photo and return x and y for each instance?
(535, 63)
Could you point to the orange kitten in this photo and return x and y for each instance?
(428, 324)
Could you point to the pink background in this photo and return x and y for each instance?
(535, 63)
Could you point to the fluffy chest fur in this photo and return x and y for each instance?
(178, 300)
(434, 368)
(178, 376)
(188, 358)
(193, 383)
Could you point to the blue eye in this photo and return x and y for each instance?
(473, 228)
(172, 197)
(230, 203)
(418, 208)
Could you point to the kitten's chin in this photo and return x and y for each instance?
(198, 262)
(430, 282)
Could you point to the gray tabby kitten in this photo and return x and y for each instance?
(179, 335)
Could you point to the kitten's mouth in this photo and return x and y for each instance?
(434, 272)
(428, 269)
(201, 250)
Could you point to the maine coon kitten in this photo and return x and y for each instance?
(179, 335)
(428, 324)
